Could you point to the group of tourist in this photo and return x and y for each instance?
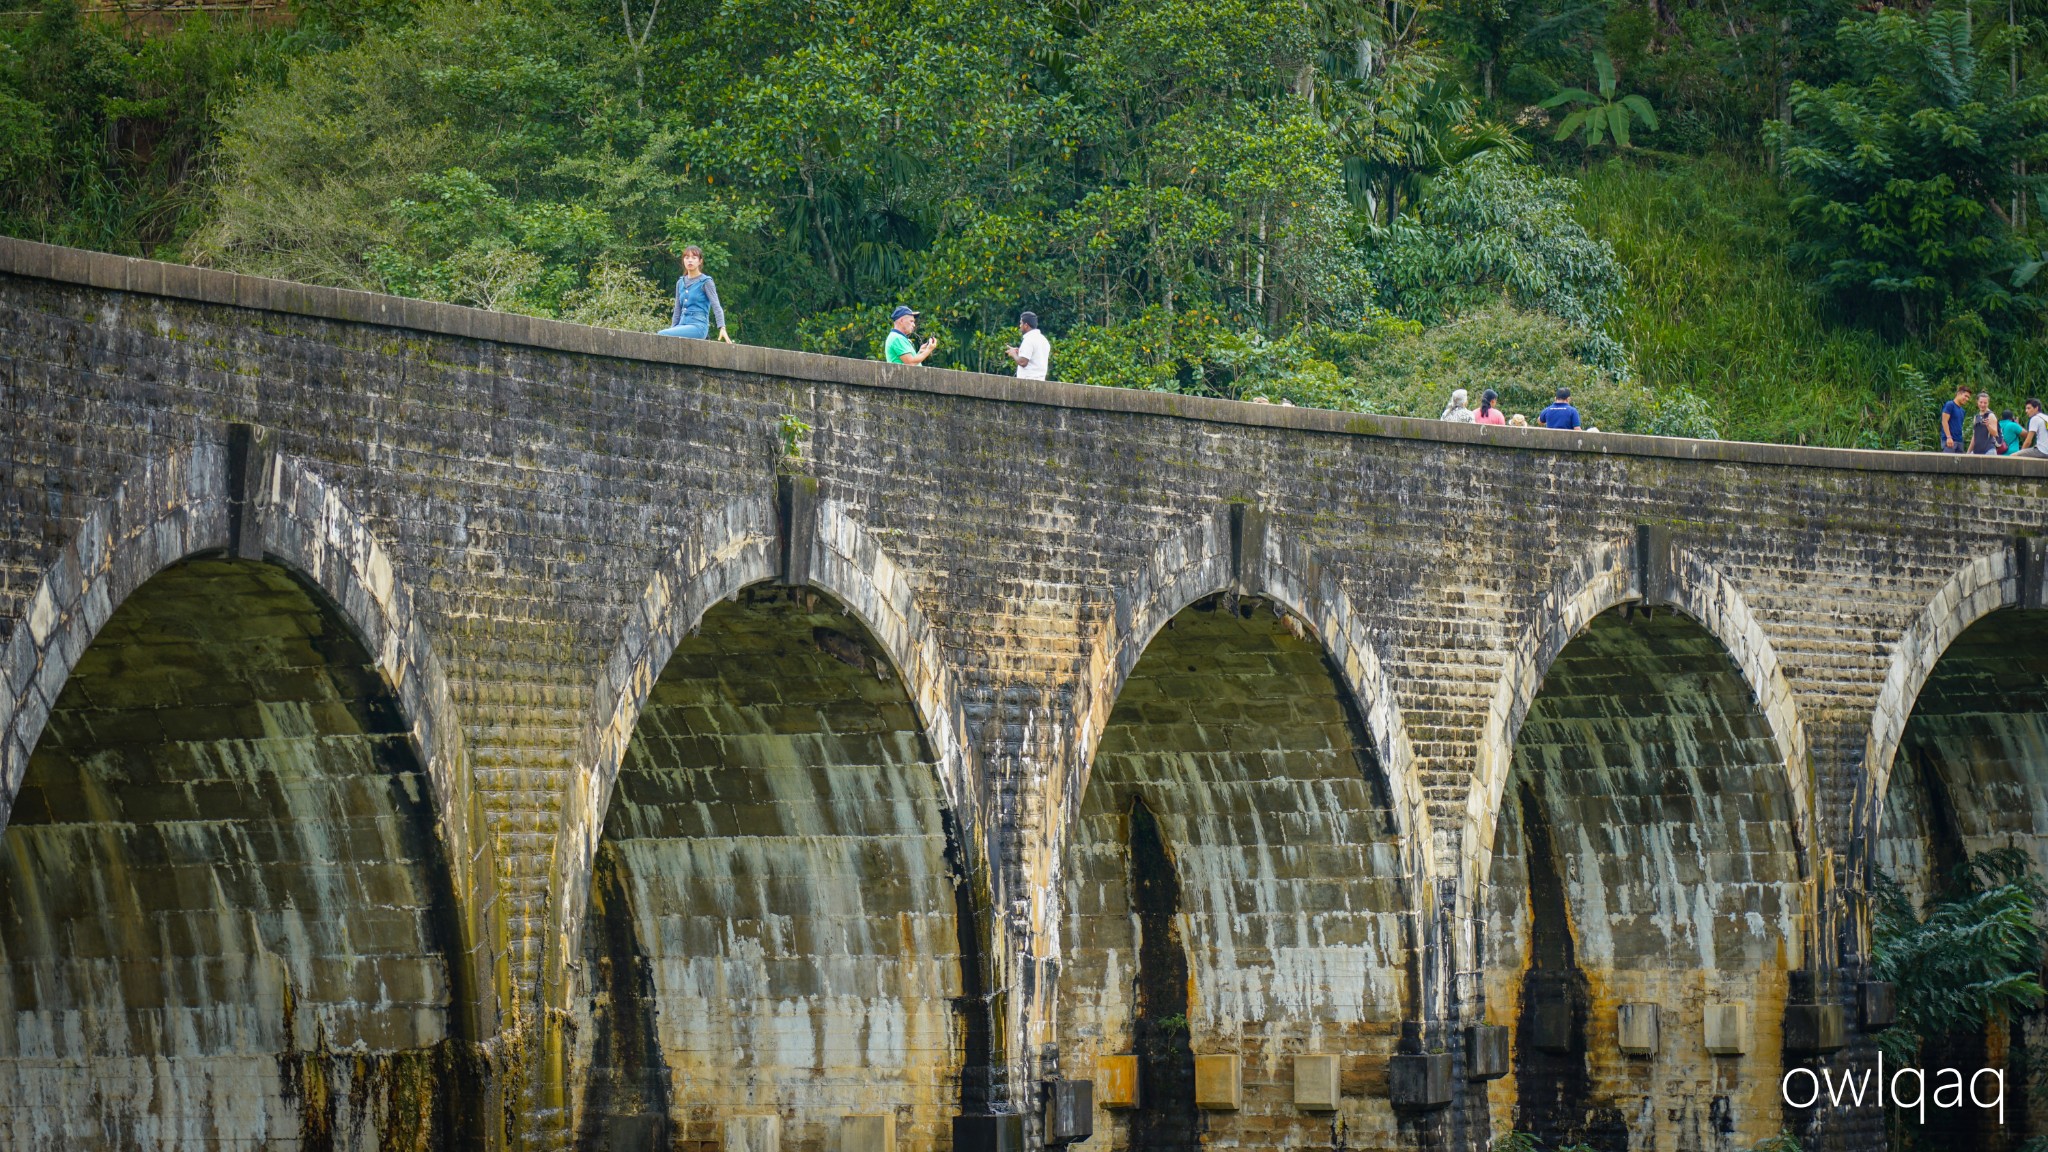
(697, 309)
(1981, 431)
(1984, 432)
(1032, 353)
(1560, 415)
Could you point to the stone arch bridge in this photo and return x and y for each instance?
(423, 727)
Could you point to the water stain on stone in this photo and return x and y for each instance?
(629, 1091)
(1553, 1088)
(1166, 1119)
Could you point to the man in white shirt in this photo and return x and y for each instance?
(2037, 433)
(1033, 354)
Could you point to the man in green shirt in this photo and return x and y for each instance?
(2009, 430)
(898, 349)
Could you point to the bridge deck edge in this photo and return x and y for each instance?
(77, 266)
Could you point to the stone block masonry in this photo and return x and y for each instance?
(426, 727)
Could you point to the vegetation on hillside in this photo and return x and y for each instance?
(1794, 220)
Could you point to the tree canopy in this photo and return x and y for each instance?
(1234, 197)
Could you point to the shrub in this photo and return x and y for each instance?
(1525, 356)
(1490, 226)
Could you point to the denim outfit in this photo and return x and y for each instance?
(696, 306)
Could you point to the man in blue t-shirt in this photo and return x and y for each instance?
(1560, 415)
(1955, 422)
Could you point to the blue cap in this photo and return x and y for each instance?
(901, 311)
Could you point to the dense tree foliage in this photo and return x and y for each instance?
(1912, 171)
(101, 135)
(1326, 202)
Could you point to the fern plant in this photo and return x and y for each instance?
(1598, 116)
(1974, 955)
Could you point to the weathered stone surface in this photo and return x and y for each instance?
(1649, 786)
(521, 522)
(779, 908)
(1235, 735)
(224, 905)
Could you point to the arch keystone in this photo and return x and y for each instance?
(1654, 575)
(248, 452)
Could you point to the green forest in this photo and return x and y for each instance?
(1801, 221)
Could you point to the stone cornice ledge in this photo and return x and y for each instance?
(184, 282)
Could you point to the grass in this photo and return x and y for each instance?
(1715, 307)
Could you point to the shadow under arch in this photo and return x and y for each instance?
(1962, 788)
(1604, 578)
(748, 728)
(1235, 874)
(1981, 586)
(1201, 561)
(1647, 843)
(274, 746)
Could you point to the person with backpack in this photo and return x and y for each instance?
(2010, 431)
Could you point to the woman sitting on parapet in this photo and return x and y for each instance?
(1456, 411)
(696, 301)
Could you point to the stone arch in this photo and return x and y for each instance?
(1197, 562)
(1602, 578)
(676, 741)
(1239, 866)
(172, 506)
(360, 695)
(731, 548)
(1640, 833)
(1983, 585)
(176, 505)
(1961, 740)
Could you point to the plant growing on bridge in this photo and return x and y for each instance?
(1973, 956)
(793, 432)
(1529, 1142)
